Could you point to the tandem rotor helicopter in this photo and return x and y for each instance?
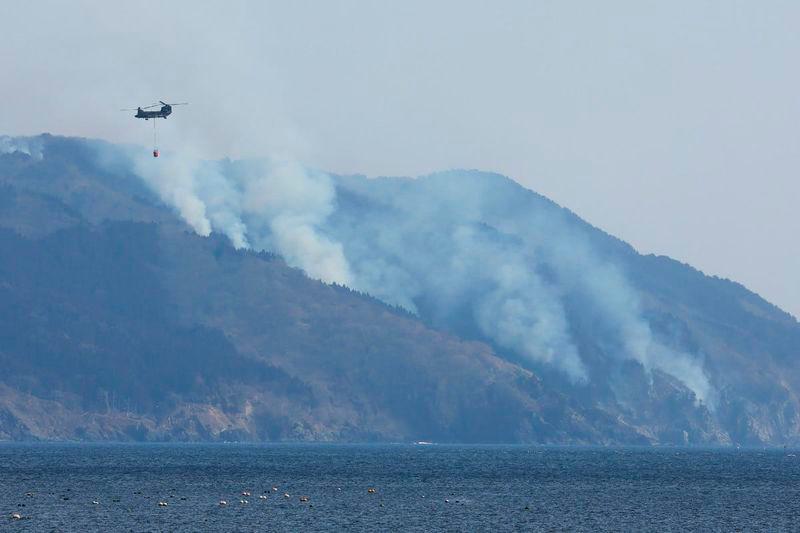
(164, 112)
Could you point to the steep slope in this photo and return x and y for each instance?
(504, 318)
(651, 333)
(142, 330)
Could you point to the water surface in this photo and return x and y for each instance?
(417, 488)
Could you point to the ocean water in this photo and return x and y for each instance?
(417, 488)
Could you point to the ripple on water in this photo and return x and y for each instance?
(194, 487)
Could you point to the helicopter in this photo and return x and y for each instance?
(164, 112)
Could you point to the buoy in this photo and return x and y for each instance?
(245, 493)
(16, 516)
(262, 497)
(162, 504)
(286, 495)
(243, 502)
(155, 153)
(371, 490)
(223, 502)
(303, 498)
(274, 489)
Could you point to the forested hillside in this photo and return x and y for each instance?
(458, 307)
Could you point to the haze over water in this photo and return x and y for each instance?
(418, 488)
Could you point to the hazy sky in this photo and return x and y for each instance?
(673, 125)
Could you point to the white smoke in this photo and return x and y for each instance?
(466, 246)
(477, 240)
(617, 306)
(176, 180)
(522, 313)
(31, 146)
(285, 206)
(269, 205)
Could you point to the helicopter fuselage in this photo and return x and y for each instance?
(164, 112)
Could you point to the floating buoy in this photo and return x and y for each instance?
(274, 489)
(16, 516)
(155, 153)
(371, 490)
(245, 493)
(162, 504)
(286, 495)
(303, 498)
(262, 497)
(243, 502)
(223, 502)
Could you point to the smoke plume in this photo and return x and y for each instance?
(274, 205)
(467, 250)
(31, 146)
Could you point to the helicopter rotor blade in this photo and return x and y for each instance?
(157, 104)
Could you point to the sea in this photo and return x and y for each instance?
(402, 487)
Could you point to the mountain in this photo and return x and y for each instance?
(176, 300)
(652, 334)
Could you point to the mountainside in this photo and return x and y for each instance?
(135, 304)
(651, 335)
